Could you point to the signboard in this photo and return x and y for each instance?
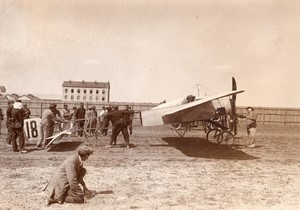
(32, 128)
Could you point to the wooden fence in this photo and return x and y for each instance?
(272, 115)
(266, 115)
(37, 107)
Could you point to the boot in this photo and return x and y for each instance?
(127, 142)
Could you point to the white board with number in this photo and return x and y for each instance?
(32, 128)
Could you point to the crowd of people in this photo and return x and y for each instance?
(87, 122)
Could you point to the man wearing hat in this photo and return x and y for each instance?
(80, 117)
(66, 116)
(118, 120)
(58, 117)
(129, 118)
(105, 125)
(251, 126)
(17, 123)
(65, 184)
(26, 112)
(47, 124)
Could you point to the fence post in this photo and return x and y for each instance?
(285, 113)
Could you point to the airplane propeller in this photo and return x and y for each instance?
(233, 108)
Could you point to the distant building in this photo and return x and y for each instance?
(85, 91)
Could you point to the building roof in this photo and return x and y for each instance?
(84, 84)
(48, 96)
(14, 96)
(29, 97)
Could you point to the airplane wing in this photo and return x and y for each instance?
(59, 136)
(197, 110)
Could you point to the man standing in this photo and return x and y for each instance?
(93, 122)
(64, 186)
(26, 112)
(105, 125)
(47, 123)
(66, 116)
(251, 126)
(17, 122)
(117, 118)
(129, 118)
(80, 117)
(58, 117)
(101, 118)
(73, 116)
(8, 122)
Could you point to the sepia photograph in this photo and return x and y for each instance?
(149, 104)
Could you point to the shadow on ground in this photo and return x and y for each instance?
(199, 147)
(64, 146)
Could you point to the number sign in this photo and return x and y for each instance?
(32, 128)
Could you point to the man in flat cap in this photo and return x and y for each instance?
(64, 187)
(251, 126)
(47, 123)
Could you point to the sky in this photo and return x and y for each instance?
(154, 50)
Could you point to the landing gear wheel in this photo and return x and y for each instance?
(214, 136)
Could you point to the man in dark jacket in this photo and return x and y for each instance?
(118, 120)
(17, 122)
(8, 122)
(80, 117)
(26, 112)
(129, 118)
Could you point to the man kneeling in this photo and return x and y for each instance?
(64, 186)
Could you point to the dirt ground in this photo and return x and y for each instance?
(164, 171)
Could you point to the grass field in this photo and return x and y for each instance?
(164, 171)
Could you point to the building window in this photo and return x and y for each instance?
(91, 91)
(91, 98)
(84, 91)
(97, 91)
(72, 97)
(97, 98)
(66, 97)
(103, 98)
(103, 91)
(66, 90)
(72, 90)
(78, 90)
(78, 97)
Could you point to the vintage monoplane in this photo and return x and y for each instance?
(217, 115)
